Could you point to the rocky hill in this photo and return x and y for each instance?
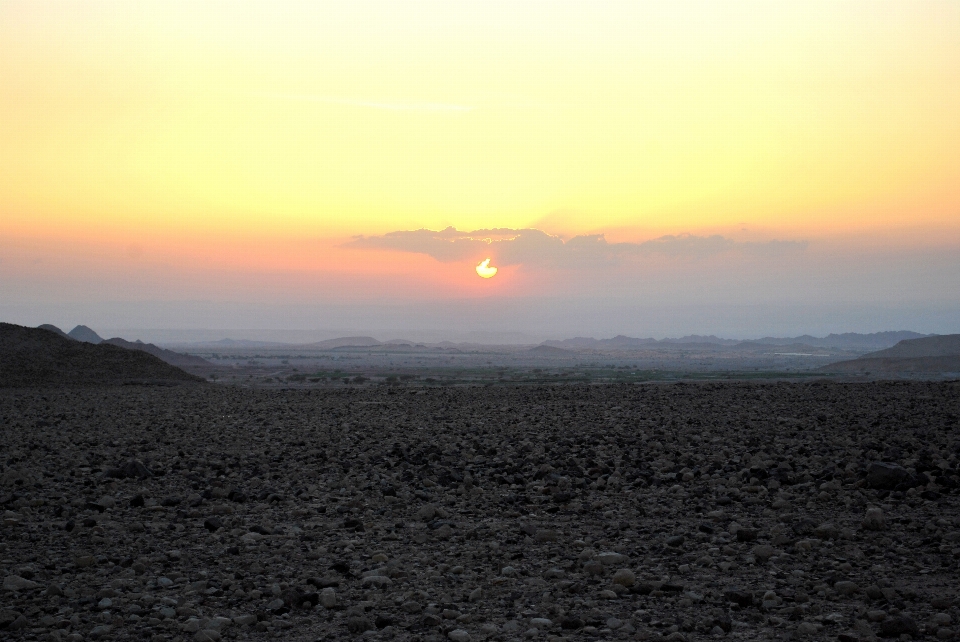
(37, 357)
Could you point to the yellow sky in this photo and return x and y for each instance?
(335, 118)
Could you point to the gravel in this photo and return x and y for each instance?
(672, 512)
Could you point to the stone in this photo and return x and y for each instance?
(540, 623)
(808, 629)
(546, 535)
(624, 577)
(17, 583)
(359, 624)
(886, 476)
(411, 607)
(328, 598)
(476, 595)
(459, 635)
(212, 524)
(245, 619)
(897, 625)
(611, 559)
(827, 530)
(846, 587)
(763, 552)
(873, 520)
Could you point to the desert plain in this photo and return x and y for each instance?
(815, 510)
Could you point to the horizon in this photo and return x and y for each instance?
(739, 170)
(187, 337)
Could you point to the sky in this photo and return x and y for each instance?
(650, 169)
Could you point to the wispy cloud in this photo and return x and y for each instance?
(532, 246)
(369, 104)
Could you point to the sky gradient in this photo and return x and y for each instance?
(258, 154)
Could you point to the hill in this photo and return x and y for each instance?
(169, 356)
(85, 334)
(53, 328)
(927, 354)
(346, 342)
(34, 357)
(946, 345)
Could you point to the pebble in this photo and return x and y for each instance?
(17, 583)
(641, 521)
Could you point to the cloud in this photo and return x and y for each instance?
(371, 104)
(532, 246)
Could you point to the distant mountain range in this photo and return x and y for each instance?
(845, 341)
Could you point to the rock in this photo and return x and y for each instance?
(738, 596)
(207, 635)
(328, 598)
(675, 541)
(359, 624)
(18, 623)
(540, 623)
(17, 583)
(100, 631)
(412, 607)
(611, 559)
(846, 587)
(135, 469)
(827, 530)
(624, 577)
(245, 620)
(885, 476)
(546, 535)
(808, 629)
(459, 635)
(763, 553)
(212, 524)
(593, 567)
(571, 622)
(476, 595)
(896, 625)
(873, 520)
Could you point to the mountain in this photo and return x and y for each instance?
(346, 342)
(945, 345)
(169, 356)
(85, 334)
(35, 357)
(549, 351)
(848, 340)
(53, 328)
(927, 354)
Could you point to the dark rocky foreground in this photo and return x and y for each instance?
(677, 512)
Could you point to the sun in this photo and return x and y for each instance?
(485, 270)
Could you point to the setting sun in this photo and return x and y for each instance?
(485, 270)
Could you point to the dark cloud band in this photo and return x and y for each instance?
(532, 246)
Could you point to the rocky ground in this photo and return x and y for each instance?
(679, 512)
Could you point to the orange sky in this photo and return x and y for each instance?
(258, 138)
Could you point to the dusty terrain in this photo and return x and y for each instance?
(603, 512)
